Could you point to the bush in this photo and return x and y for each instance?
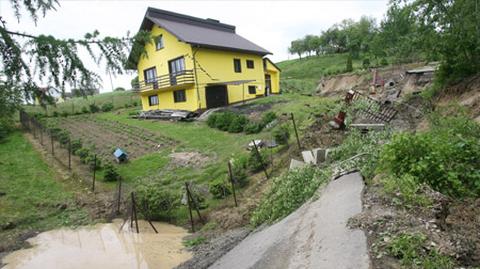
(447, 158)
(268, 117)
(119, 89)
(281, 134)
(93, 162)
(110, 173)
(94, 108)
(255, 161)
(135, 103)
(288, 192)
(237, 124)
(211, 121)
(107, 107)
(63, 137)
(155, 201)
(253, 128)
(64, 114)
(85, 110)
(239, 171)
(224, 120)
(366, 63)
(82, 153)
(349, 67)
(383, 62)
(219, 189)
(76, 145)
(55, 114)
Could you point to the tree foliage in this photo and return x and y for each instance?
(432, 30)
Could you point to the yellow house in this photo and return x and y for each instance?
(200, 63)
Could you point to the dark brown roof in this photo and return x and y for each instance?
(207, 33)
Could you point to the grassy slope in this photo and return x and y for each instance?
(32, 195)
(119, 100)
(303, 74)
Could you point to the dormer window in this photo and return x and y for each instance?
(159, 42)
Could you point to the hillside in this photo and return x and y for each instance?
(302, 75)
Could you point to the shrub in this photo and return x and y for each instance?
(119, 89)
(427, 157)
(383, 62)
(93, 162)
(82, 153)
(94, 108)
(224, 120)
(237, 124)
(288, 192)
(253, 128)
(107, 107)
(76, 145)
(366, 63)
(85, 110)
(155, 201)
(110, 173)
(239, 171)
(219, 189)
(135, 103)
(63, 137)
(255, 161)
(349, 67)
(281, 134)
(268, 117)
(55, 114)
(211, 121)
(64, 114)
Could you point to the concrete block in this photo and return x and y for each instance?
(295, 164)
(309, 157)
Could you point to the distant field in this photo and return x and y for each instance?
(75, 105)
(32, 199)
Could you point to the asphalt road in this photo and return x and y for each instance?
(314, 236)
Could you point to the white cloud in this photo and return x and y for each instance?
(270, 24)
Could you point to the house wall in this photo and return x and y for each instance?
(216, 66)
(159, 58)
(274, 75)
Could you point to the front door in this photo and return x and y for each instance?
(268, 84)
(176, 68)
(216, 96)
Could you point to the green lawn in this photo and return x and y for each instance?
(31, 197)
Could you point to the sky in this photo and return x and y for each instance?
(270, 24)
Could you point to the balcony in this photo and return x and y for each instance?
(166, 82)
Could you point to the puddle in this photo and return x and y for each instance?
(104, 246)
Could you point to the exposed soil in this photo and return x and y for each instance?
(189, 159)
(451, 226)
(106, 136)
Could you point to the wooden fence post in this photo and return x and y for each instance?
(69, 154)
(134, 212)
(119, 196)
(260, 159)
(230, 173)
(41, 135)
(189, 193)
(296, 132)
(51, 140)
(94, 168)
(189, 207)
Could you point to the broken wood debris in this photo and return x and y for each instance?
(167, 114)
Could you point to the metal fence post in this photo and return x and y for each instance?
(296, 132)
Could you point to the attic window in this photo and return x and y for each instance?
(250, 64)
(159, 42)
(237, 66)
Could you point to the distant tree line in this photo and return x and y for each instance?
(432, 30)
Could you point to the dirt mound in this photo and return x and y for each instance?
(191, 159)
(466, 94)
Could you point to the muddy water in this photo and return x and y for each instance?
(104, 246)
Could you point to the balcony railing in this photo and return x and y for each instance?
(166, 81)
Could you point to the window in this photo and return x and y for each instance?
(179, 96)
(250, 64)
(150, 75)
(176, 66)
(159, 42)
(252, 89)
(237, 65)
(153, 100)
